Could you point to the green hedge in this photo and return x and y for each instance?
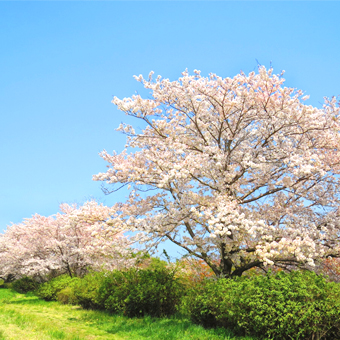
(134, 292)
(49, 290)
(24, 285)
(299, 305)
(86, 290)
(140, 292)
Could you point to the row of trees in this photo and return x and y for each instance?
(72, 241)
(238, 172)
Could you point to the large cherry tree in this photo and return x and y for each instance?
(238, 172)
(74, 240)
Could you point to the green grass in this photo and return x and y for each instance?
(25, 317)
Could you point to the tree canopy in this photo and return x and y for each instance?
(239, 172)
(73, 241)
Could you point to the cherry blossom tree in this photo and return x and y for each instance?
(72, 241)
(238, 172)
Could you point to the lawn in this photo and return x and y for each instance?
(25, 317)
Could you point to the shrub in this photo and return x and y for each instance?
(8, 285)
(24, 285)
(86, 290)
(299, 305)
(141, 292)
(114, 290)
(68, 294)
(67, 297)
(205, 302)
(49, 290)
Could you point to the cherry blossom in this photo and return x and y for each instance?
(238, 172)
(72, 241)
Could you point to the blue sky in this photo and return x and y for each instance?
(61, 63)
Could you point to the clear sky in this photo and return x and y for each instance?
(61, 63)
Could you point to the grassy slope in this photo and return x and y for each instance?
(25, 317)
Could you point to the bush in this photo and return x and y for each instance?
(86, 290)
(68, 294)
(205, 302)
(67, 297)
(24, 285)
(299, 305)
(49, 290)
(8, 285)
(141, 292)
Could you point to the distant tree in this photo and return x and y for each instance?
(329, 267)
(236, 171)
(72, 241)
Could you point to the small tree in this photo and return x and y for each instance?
(236, 171)
(72, 241)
